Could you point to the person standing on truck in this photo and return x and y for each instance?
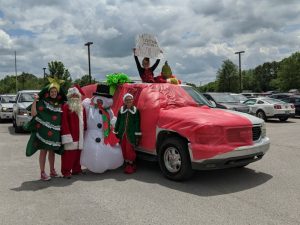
(145, 71)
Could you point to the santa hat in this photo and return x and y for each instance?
(127, 95)
(75, 90)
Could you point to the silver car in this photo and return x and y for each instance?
(6, 106)
(20, 114)
(265, 107)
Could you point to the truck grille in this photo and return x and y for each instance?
(256, 132)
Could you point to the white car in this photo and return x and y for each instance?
(20, 113)
(264, 108)
(6, 106)
(239, 97)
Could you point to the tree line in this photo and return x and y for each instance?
(280, 76)
(26, 81)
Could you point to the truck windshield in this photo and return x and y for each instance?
(27, 97)
(6, 99)
(197, 96)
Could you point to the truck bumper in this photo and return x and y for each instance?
(21, 120)
(238, 157)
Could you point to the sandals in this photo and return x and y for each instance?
(45, 176)
(53, 173)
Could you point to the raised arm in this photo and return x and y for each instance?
(155, 65)
(33, 106)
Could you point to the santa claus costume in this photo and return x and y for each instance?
(101, 151)
(72, 132)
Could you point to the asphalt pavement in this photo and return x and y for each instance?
(265, 192)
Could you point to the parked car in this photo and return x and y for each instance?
(280, 95)
(295, 99)
(6, 107)
(250, 94)
(226, 101)
(294, 91)
(20, 114)
(239, 97)
(184, 135)
(265, 108)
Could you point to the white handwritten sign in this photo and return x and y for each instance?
(147, 46)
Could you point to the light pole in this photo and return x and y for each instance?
(16, 71)
(240, 71)
(88, 44)
(44, 72)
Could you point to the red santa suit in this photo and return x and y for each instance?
(73, 125)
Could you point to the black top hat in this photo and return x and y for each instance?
(103, 90)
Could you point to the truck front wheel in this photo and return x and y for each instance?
(174, 159)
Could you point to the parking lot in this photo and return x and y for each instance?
(265, 192)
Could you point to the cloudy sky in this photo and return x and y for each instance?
(196, 35)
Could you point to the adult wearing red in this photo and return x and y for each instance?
(72, 131)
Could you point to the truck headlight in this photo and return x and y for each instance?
(263, 130)
(22, 112)
(3, 109)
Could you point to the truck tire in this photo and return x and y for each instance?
(174, 159)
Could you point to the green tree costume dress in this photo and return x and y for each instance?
(45, 126)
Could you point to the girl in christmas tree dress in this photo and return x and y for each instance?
(45, 126)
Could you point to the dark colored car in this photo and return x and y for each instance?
(295, 99)
(226, 101)
(280, 95)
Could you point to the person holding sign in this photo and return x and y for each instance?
(147, 47)
(145, 71)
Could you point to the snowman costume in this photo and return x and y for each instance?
(101, 150)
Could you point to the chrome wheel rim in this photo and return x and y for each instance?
(260, 115)
(172, 160)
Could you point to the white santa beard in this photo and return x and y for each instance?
(75, 105)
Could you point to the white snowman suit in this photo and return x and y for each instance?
(96, 156)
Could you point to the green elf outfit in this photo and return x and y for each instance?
(128, 122)
(127, 129)
(45, 126)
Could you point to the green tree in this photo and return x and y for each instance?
(248, 79)
(263, 74)
(27, 81)
(8, 84)
(227, 77)
(58, 69)
(84, 80)
(210, 87)
(289, 72)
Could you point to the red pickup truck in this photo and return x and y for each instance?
(185, 133)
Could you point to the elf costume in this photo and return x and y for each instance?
(45, 126)
(127, 129)
(72, 131)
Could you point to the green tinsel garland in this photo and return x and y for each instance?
(115, 79)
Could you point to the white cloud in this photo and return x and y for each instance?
(196, 36)
(5, 40)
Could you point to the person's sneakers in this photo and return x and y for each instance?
(134, 166)
(45, 177)
(129, 169)
(67, 176)
(53, 173)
